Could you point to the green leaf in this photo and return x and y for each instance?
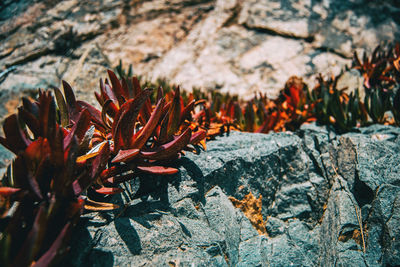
(62, 106)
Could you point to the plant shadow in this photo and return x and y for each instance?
(81, 251)
(153, 204)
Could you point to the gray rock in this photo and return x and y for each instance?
(383, 227)
(320, 210)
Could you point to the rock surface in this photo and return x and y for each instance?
(327, 200)
(231, 45)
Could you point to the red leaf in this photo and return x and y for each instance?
(15, 139)
(146, 110)
(109, 172)
(108, 108)
(42, 180)
(33, 241)
(123, 126)
(143, 135)
(136, 86)
(160, 93)
(170, 149)
(31, 107)
(117, 88)
(197, 137)
(162, 136)
(94, 112)
(99, 98)
(57, 149)
(69, 96)
(249, 117)
(67, 176)
(54, 249)
(79, 129)
(118, 116)
(230, 111)
(186, 111)
(237, 111)
(269, 123)
(47, 113)
(106, 92)
(160, 170)
(125, 155)
(38, 150)
(31, 121)
(127, 88)
(166, 107)
(174, 117)
(109, 190)
(100, 162)
(294, 98)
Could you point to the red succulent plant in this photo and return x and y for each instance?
(44, 183)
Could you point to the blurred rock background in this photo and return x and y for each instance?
(236, 46)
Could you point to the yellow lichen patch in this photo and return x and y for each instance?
(355, 235)
(344, 238)
(251, 207)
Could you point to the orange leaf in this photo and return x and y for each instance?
(203, 144)
(125, 155)
(8, 191)
(82, 159)
(99, 206)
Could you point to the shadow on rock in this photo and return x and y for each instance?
(195, 173)
(128, 234)
(98, 257)
(126, 231)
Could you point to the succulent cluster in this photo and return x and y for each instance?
(335, 106)
(325, 103)
(381, 74)
(67, 150)
(40, 195)
(144, 137)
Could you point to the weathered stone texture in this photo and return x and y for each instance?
(237, 46)
(320, 207)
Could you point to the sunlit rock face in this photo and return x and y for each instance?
(234, 46)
